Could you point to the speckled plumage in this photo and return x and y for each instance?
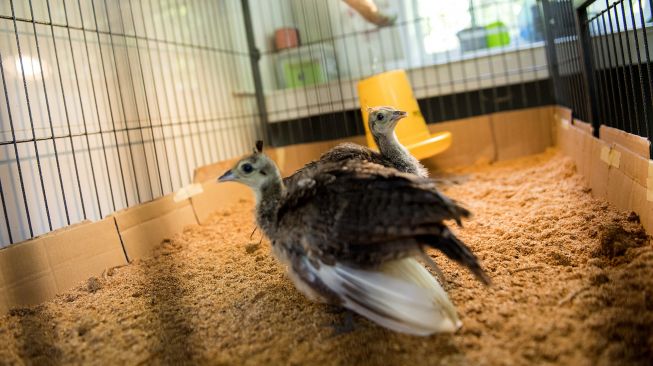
(364, 214)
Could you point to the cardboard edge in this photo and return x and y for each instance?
(142, 228)
(636, 144)
(36, 270)
(218, 195)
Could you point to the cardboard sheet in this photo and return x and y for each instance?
(471, 143)
(142, 228)
(522, 132)
(36, 270)
(218, 195)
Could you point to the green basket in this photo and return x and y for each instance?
(497, 35)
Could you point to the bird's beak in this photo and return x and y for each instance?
(227, 176)
(399, 115)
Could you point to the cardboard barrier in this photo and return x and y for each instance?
(616, 170)
(142, 228)
(36, 270)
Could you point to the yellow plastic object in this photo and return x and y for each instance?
(393, 89)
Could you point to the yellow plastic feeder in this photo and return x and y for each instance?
(393, 89)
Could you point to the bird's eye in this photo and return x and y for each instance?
(247, 168)
(379, 117)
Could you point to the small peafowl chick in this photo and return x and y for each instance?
(349, 233)
(392, 154)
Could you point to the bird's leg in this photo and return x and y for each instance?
(253, 231)
(346, 325)
(335, 309)
(260, 240)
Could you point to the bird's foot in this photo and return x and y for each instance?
(335, 309)
(345, 325)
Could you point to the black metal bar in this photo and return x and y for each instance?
(236, 126)
(232, 64)
(621, 123)
(318, 120)
(201, 78)
(13, 134)
(212, 139)
(585, 50)
(81, 106)
(606, 52)
(621, 77)
(649, 125)
(255, 56)
(49, 114)
(639, 69)
(300, 134)
(106, 85)
(184, 177)
(223, 77)
(631, 104)
(157, 40)
(598, 75)
(147, 107)
(340, 77)
(6, 214)
(124, 113)
(191, 96)
(65, 107)
(31, 118)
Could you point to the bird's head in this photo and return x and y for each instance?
(255, 170)
(383, 120)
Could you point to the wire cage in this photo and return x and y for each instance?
(601, 62)
(108, 104)
(111, 103)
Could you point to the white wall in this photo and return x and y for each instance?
(167, 81)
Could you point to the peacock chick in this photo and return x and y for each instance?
(350, 232)
(382, 122)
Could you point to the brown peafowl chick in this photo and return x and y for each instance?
(349, 233)
(382, 122)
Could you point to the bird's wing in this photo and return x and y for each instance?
(364, 203)
(362, 213)
(341, 153)
(350, 151)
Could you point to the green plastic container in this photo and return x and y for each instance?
(497, 35)
(305, 73)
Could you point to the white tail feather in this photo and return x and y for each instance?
(401, 295)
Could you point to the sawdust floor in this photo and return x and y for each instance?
(573, 284)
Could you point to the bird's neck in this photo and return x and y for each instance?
(390, 147)
(268, 198)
